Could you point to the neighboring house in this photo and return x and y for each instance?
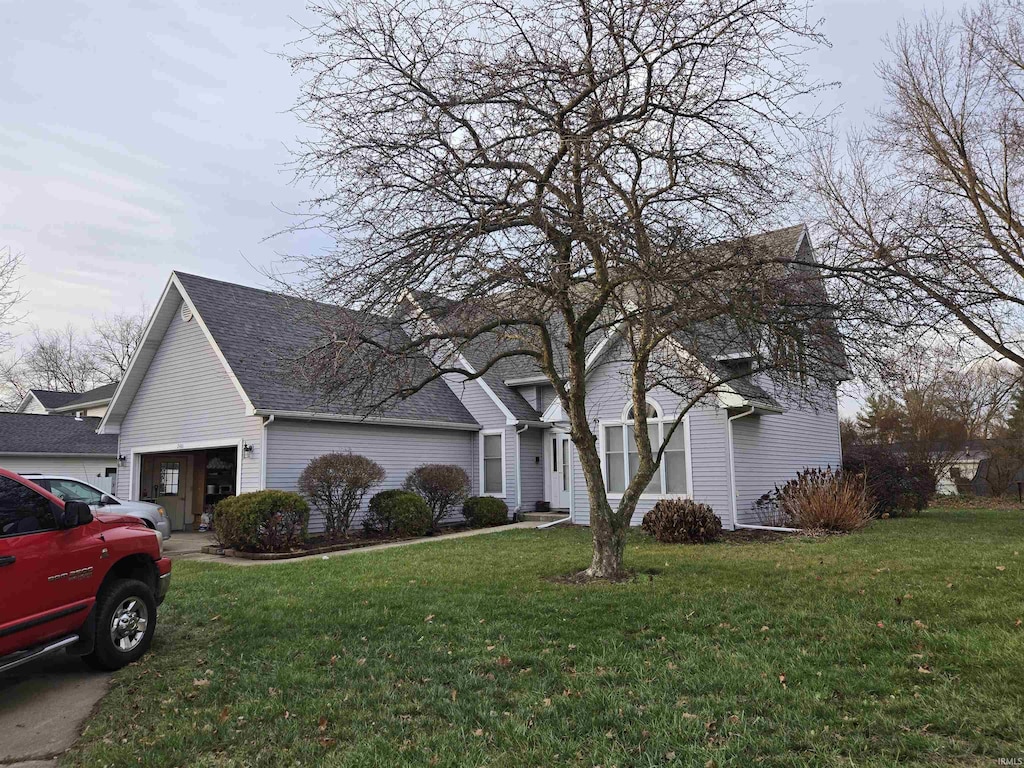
(962, 470)
(45, 401)
(31, 442)
(205, 410)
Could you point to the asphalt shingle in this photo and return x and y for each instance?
(40, 433)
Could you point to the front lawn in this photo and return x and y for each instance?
(899, 644)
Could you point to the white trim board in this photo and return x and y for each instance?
(504, 465)
(136, 454)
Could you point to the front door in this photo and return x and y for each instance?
(559, 456)
(166, 479)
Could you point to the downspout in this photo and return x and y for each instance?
(519, 470)
(263, 465)
(732, 464)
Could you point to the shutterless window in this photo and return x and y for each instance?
(22, 510)
(622, 459)
(494, 471)
(169, 477)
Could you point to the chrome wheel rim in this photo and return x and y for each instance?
(128, 626)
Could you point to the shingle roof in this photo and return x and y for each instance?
(98, 395)
(261, 333)
(40, 433)
(51, 399)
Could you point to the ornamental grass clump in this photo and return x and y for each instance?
(819, 500)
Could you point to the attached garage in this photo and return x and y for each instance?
(58, 445)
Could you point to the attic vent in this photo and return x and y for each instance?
(186, 311)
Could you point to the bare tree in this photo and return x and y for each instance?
(926, 206)
(540, 175)
(115, 338)
(10, 297)
(59, 360)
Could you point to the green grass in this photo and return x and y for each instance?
(802, 652)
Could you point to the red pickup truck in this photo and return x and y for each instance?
(69, 579)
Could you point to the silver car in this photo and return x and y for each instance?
(73, 489)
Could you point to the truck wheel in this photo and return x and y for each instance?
(125, 622)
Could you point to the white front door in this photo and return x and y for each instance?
(559, 460)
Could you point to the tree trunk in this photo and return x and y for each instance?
(609, 545)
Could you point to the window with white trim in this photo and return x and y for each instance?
(622, 460)
(492, 463)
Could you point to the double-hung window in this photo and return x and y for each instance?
(492, 463)
(621, 458)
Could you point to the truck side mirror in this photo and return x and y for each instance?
(75, 513)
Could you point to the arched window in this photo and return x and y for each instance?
(622, 459)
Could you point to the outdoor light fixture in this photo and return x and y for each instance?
(247, 448)
(122, 460)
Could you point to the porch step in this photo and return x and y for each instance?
(541, 517)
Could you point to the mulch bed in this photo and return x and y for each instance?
(319, 545)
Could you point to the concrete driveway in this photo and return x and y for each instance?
(43, 706)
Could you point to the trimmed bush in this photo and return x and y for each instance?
(682, 521)
(485, 511)
(398, 512)
(442, 486)
(899, 486)
(336, 484)
(264, 521)
(818, 500)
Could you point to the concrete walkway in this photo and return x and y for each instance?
(345, 552)
(43, 706)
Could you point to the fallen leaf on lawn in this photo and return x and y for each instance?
(689, 716)
(765, 628)
(200, 682)
(572, 647)
(782, 679)
(880, 624)
(322, 724)
(490, 647)
(504, 661)
(287, 715)
(478, 732)
(671, 665)
(334, 660)
(924, 669)
(1000, 567)
(920, 624)
(327, 741)
(225, 714)
(455, 694)
(361, 662)
(429, 618)
(547, 702)
(949, 585)
(670, 755)
(1017, 623)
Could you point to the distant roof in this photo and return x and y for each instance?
(50, 399)
(260, 333)
(93, 396)
(42, 434)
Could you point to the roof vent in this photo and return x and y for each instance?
(186, 311)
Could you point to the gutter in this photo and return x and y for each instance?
(350, 419)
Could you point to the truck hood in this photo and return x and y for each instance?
(108, 518)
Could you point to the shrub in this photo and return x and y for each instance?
(398, 512)
(336, 484)
(264, 521)
(818, 499)
(442, 486)
(485, 511)
(682, 521)
(899, 486)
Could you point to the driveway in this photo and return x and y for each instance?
(43, 706)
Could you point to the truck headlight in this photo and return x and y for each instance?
(160, 511)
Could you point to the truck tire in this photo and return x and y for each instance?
(125, 622)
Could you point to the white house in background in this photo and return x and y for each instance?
(55, 403)
(58, 445)
(206, 410)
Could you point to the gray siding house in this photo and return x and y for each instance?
(205, 411)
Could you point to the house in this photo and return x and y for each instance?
(56, 403)
(206, 410)
(69, 446)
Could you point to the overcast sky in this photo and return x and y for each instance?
(142, 137)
